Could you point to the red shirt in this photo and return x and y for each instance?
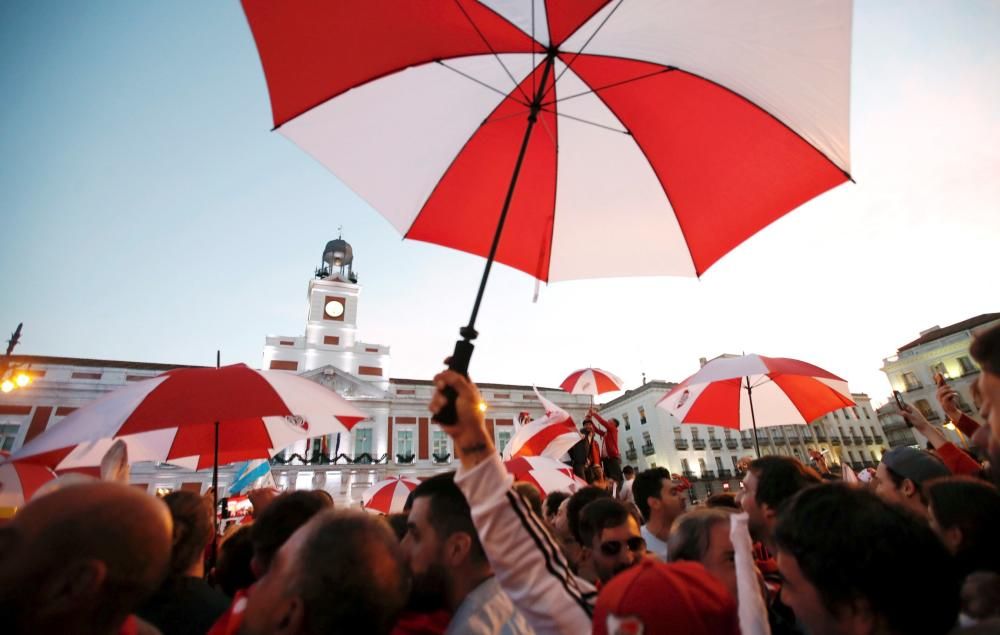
(610, 437)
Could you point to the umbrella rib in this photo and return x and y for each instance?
(585, 44)
(591, 123)
(482, 36)
(481, 83)
(611, 85)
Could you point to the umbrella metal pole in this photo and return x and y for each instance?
(215, 500)
(753, 419)
(462, 355)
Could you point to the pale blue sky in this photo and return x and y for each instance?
(148, 213)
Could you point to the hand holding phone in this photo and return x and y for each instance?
(898, 396)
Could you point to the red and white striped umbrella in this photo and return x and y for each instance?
(752, 391)
(551, 435)
(548, 475)
(18, 483)
(172, 418)
(388, 496)
(591, 381)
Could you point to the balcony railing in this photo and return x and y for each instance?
(699, 444)
(869, 440)
(747, 443)
(780, 441)
(725, 474)
(441, 458)
(848, 440)
(681, 444)
(689, 475)
(404, 459)
(715, 443)
(631, 455)
(859, 441)
(708, 475)
(878, 438)
(835, 440)
(820, 435)
(914, 388)
(858, 465)
(648, 450)
(732, 444)
(795, 440)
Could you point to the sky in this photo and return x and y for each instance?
(148, 213)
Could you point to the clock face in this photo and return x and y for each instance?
(334, 308)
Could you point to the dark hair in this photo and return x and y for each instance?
(599, 515)
(449, 511)
(232, 571)
(974, 507)
(553, 501)
(879, 549)
(531, 494)
(280, 520)
(648, 483)
(985, 349)
(724, 500)
(397, 522)
(192, 530)
(580, 499)
(781, 477)
(335, 580)
(628, 469)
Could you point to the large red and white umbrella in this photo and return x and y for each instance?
(548, 475)
(388, 496)
(591, 381)
(745, 392)
(172, 418)
(18, 483)
(667, 132)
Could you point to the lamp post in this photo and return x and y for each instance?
(10, 378)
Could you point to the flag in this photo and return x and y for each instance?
(551, 435)
(248, 473)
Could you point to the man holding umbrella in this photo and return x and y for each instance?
(611, 457)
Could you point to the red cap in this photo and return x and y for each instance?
(653, 598)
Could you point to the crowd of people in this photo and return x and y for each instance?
(801, 548)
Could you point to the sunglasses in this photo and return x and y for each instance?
(613, 547)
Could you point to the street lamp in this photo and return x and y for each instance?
(6, 386)
(22, 379)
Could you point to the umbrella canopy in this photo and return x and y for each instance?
(172, 418)
(388, 496)
(547, 474)
(667, 132)
(749, 391)
(591, 381)
(18, 483)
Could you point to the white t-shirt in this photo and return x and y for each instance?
(625, 494)
(654, 545)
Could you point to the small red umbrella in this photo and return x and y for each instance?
(591, 381)
(548, 475)
(18, 483)
(734, 392)
(388, 496)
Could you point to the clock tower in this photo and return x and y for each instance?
(331, 335)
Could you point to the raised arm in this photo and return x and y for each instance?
(526, 559)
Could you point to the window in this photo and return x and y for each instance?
(646, 440)
(362, 442)
(677, 432)
(868, 415)
(685, 468)
(439, 441)
(503, 438)
(404, 442)
(642, 415)
(939, 368)
(702, 466)
(625, 419)
(966, 364)
(8, 433)
(925, 408)
(911, 381)
(711, 433)
(728, 433)
(850, 455)
(694, 432)
(718, 463)
(631, 444)
(856, 415)
(836, 415)
(735, 462)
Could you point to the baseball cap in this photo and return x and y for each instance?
(917, 465)
(654, 598)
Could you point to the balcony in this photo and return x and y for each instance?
(708, 475)
(858, 466)
(681, 444)
(631, 455)
(689, 475)
(724, 474)
(648, 450)
(441, 458)
(848, 440)
(914, 387)
(869, 440)
(858, 440)
(878, 438)
(699, 444)
(747, 443)
(716, 444)
(835, 440)
(732, 444)
(820, 435)
(404, 459)
(780, 441)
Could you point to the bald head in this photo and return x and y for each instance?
(82, 558)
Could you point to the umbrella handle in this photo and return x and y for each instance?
(459, 363)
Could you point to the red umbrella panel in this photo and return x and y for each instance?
(591, 381)
(18, 483)
(548, 475)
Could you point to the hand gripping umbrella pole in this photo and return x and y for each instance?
(462, 355)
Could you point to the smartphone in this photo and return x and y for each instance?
(898, 396)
